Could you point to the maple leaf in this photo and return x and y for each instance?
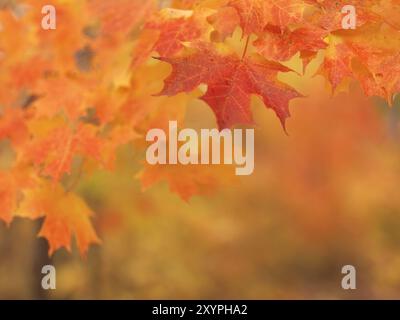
(55, 148)
(65, 214)
(62, 93)
(256, 14)
(281, 45)
(231, 81)
(252, 13)
(376, 47)
(165, 32)
(337, 63)
(364, 54)
(173, 31)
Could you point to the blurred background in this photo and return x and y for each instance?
(321, 197)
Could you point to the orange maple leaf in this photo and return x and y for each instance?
(165, 32)
(65, 214)
(365, 54)
(256, 14)
(173, 31)
(282, 44)
(55, 150)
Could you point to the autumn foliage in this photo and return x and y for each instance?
(112, 70)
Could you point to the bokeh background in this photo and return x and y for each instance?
(321, 197)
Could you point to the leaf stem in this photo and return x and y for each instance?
(246, 47)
